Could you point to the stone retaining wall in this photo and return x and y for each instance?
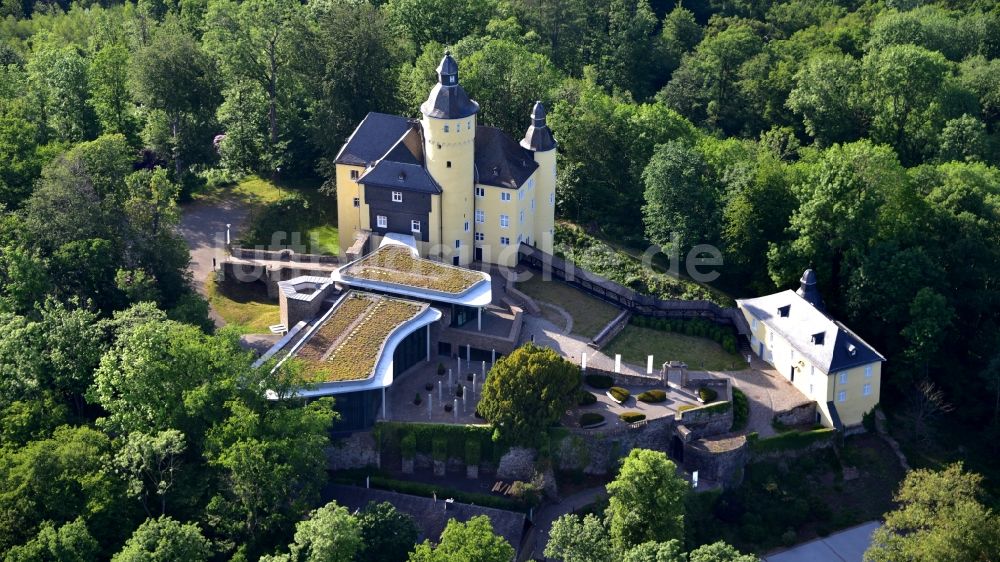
(597, 451)
(358, 450)
(719, 460)
(803, 414)
(626, 379)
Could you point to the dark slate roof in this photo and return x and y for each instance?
(538, 137)
(373, 137)
(403, 176)
(448, 99)
(808, 289)
(430, 516)
(840, 348)
(500, 161)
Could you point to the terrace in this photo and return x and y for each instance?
(347, 345)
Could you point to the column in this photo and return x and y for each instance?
(428, 332)
(479, 319)
(385, 406)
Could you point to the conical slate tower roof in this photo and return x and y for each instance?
(448, 99)
(538, 137)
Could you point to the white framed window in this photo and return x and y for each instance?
(480, 237)
(458, 243)
(467, 227)
(552, 198)
(532, 204)
(397, 196)
(868, 390)
(753, 324)
(480, 216)
(480, 192)
(357, 202)
(868, 372)
(505, 196)
(448, 164)
(531, 183)
(520, 217)
(446, 128)
(520, 195)
(843, 378)
(504, 241)
(382, 221)
(812, 370)
(842, 396)
(415, 226)
(458, 127)
(468, 124)
(504, 221)
(355, 174)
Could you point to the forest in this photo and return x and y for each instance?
(859, 138)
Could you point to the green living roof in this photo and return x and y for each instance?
(347, 345)
(397, 265)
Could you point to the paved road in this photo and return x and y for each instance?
(846, 546)
(203, 226)
(539, 534)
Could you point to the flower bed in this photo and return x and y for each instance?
(397, 265)
(618, 394)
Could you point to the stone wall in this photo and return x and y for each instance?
(295, 310)
(707, 421)
(623, 379)
(803, 414)
(597, 451)
(241, 272)
(358, 450)
(719, 460)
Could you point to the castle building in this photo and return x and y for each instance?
(465, 192)
(820, 356)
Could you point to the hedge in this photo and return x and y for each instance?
(439, 448)
(429, 490)
(652, 396)
(590, 418)
(473, 452)
(600, 381)
(390, 436)
(741, 410)
(697, 327)
(632, 417)
(619, 393)
(792, 440)
(586, 398)
(408, 446)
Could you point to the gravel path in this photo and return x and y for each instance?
(203, 226)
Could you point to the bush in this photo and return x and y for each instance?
(459, 391)
(600, 381)
(589, 419)
(789, 537)
(429, 387)
(631, 417)
(707, 395)
(741, 410)
(439, 448)
(473, 452)
(448, 407)
(792, 440)
(619, 394)
(470, 376)
(586, 398)
(441, 369)
(417, 400)
(408, 446)
(429, 490)
(391, 434)
(652, 396)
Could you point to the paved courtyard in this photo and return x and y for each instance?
(403, 391)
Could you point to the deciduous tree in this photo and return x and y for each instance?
(646, 501)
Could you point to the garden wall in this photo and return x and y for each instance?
(791, 444)
(597, 451)
(623, 379)
(359, 450)
(719, 460)
(803, 414)
(706, 421)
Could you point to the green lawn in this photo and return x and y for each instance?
(635, 343)
(244, 305)
(323, 239)
(589, 314)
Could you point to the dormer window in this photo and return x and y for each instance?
(819, 338)
(784, 310)
(851, 349)
(402, 176)
(397, 196)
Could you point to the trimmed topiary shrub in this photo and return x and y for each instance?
(586, 398)
(591, 419)
(707, 395)
(459, 391)
(441, 369)
(652, 396)
(439, 448)
(417, 400)
(600, 381)
(619, 394)
(448, 407)
(429, 387)
(473, 452)
(631, 417)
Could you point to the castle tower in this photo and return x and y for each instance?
(540, 141)
(449, 126)
(808, 289)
